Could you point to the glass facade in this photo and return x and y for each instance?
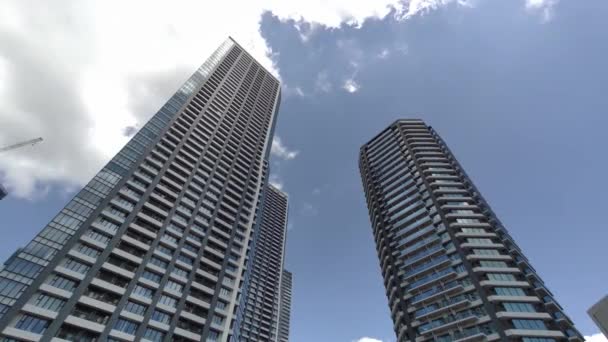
(450, 268)
(154, 246)
(285, 307)
(259, 312)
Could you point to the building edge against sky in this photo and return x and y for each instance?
(451, 270)
(259, 312)
(285, 306)
(154, 246)
(599, 314)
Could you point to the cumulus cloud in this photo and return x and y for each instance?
(322, 83)
(292, 91)
(544, 7)
(351, 86)
(281, 151)
(383, 54)
(276, 181)
(368, 339)
(83, 74)
(599, 337)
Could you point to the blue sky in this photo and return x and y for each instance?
(518, 94)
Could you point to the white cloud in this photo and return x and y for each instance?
(351, 86)
(299, 91)
(322, 83)
(544, 7)
(276, 181)
(293, 91)
(383, 54)
(79, 73)
(423, 6)
(599, 337)
(281, 151)
(368, 339)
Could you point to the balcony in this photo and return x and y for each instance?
(523, 315)
(431, 265)
(481, 245)
(436, 293)
(90, 315)
(534, 333)
(452, 304)
(442, 275)
(431, 251)
(451, 322)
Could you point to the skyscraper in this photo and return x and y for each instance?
(450, 268)
(258, 316)
(153, 248)
(285, 307)
(599, 314)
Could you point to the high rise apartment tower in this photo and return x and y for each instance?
(258, 316)
(285, 307)
(599, 314)
(153, 248)
(450, 268)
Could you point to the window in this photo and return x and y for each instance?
(32, 324)
(490, 263)
(169, 239)
(97, 236)
(219, 320)
(463, 220)
(39, 250)
(151, 276)
(519, 307)
(62, 283)
(143, 291)
(23, 267)
(185, 259)
(529, 324)
(485, 252)
(160, 317)
(108, 224)
(213, 336)
(135, 308)
(168, 301)
(126, 326)
(158, 262)
(190, 248)
(88, 251)
(47, 302)
(220, 305)
(473, 230)
(180, 272)
(479, 241)
(225, 292)
(509, 291)
(171, 285)
(154, 335)
(76, 266)
(501, 277)
(164, 249)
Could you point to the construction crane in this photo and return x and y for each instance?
(21, 144)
